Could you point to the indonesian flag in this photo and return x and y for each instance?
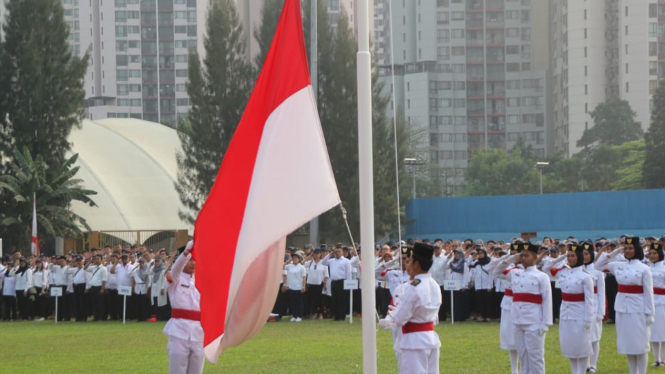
(35, 241)
(275, 177)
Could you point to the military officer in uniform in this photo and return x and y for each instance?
(416, 314)
(531, 309)
(184, 328)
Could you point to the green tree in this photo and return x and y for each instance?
(654, 167)
(614, 124)
(41, 82)
(218, 90)
(495, 172)
(600, 166)
(629, 173)
(563, 174)
(54, 191)
(270, 13)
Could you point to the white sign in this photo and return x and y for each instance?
(452, 285)
(125, 290)
(351, 284)
(56, 291)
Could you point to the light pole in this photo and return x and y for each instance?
(414, 162)
(541, 166)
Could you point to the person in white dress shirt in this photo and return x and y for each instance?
(658, 328)
(122, 271)
(438, 272)
(577, 313)
(23, 275)
(111, 305)
(634, 305)
(317, 280)
(599, 304)
(9, 312)
(96, 286)
(506, 331)
(340, 270)
(185, 347)
(60, 273)
(531, 309)
(141, 293)
(295, 284)
(416, 314)
(40, 282)
(79, 283)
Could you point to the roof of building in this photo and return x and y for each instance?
(132, 165)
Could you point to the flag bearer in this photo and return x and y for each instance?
(532, 307)
(184, 328)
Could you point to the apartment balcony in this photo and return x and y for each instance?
(474, 59)
(495, 5)
(475, 42)
(474, 24)
(495, 24)
(475, 111)
(478, 77)
(496, 127)
(496, 94)
(496, 145)
(496, 42)
(474, 94)
(474, 5)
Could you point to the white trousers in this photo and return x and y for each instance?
(185, 357)
(419, 361)
(530, 346)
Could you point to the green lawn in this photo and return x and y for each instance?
(307, 347)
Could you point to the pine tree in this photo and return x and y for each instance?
(654, 167)
(218, 90)
(41, 82)
(270, 13)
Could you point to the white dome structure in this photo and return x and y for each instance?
(132, 165)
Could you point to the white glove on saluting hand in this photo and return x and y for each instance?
(587, 326)
(650, 319)
(543, 329)
(387, 323)
(599, 318)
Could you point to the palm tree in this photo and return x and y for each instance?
(54, 191)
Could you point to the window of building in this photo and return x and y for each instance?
(121, 60)
(121, 31)
(444, 85)
(443, 18)
(457, 51)
(445, 120)
(458, 33)
(653, 30)
(512, 49)
(653, 10)
(181, 73)
(513, 102)
(513, 84)
(513, 119)
(653, 84)
(526, 66)
(122, 89)
(460, 121)
(459, 85)
(457, 16)
(120, 16)
(653, 67)
(443, 53)
(653, 48)
(513, 67)
(513, 32)
(443, 36)
(459, 103)
(135, 102)
(120, 45)
(526, 34)
(121, 75)
(181, 88)
(459, 68)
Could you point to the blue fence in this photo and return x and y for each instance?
(583, 215)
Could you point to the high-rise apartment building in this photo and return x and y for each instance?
(139, 51)
(467, 77)
(602, 49)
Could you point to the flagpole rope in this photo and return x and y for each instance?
(346, 222)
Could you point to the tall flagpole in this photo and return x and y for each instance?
(313, 72)
(366, 186)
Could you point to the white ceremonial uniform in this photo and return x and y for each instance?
(634, 307)
(185, 335)
(531, 313)
(599, 302)
(394, 278)
(658, 328)
(577, 311)
(397, 331)
(507, 331)
(419, 306)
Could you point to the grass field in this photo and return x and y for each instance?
(307, 347)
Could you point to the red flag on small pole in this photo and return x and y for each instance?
(35, 240)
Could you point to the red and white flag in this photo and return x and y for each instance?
(35, 241)
(275, 177)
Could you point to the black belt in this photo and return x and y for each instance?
(338, 280)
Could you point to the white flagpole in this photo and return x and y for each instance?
(365, 161)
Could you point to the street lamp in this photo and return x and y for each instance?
(414, 162)
(541, 166)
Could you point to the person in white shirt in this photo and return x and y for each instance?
(9, 312)
(483, 281)
(122, 271)
(531, 309)
(634, 304)
(60, 273)
(416, 314)
(295, 278)
(40, 282)
(340, 270)
(185, 347)
(317, 279)
(96, 287)
(599, 305)
(459, 271)
(438, 271)
(111, 305)
(141, 296)
(23, 275)
(658, 329)
(80, 285)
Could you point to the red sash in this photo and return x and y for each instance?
(623, 288)
(508, 292)
(417, 327)
(658, 291)
(572, 297)
(527, 298)
(191, 315)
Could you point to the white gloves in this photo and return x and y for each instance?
(600, 318)
(587, 326)
(387, 323)
(650, 319)
(543, 329)
(513, 258)
(615, 252)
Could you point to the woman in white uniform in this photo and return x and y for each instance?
(599, 306)
(658, 329)
(577, 307)
(506, 332)
(634, 303)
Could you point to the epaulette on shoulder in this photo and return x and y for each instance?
(168, 277)
(415, 282)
